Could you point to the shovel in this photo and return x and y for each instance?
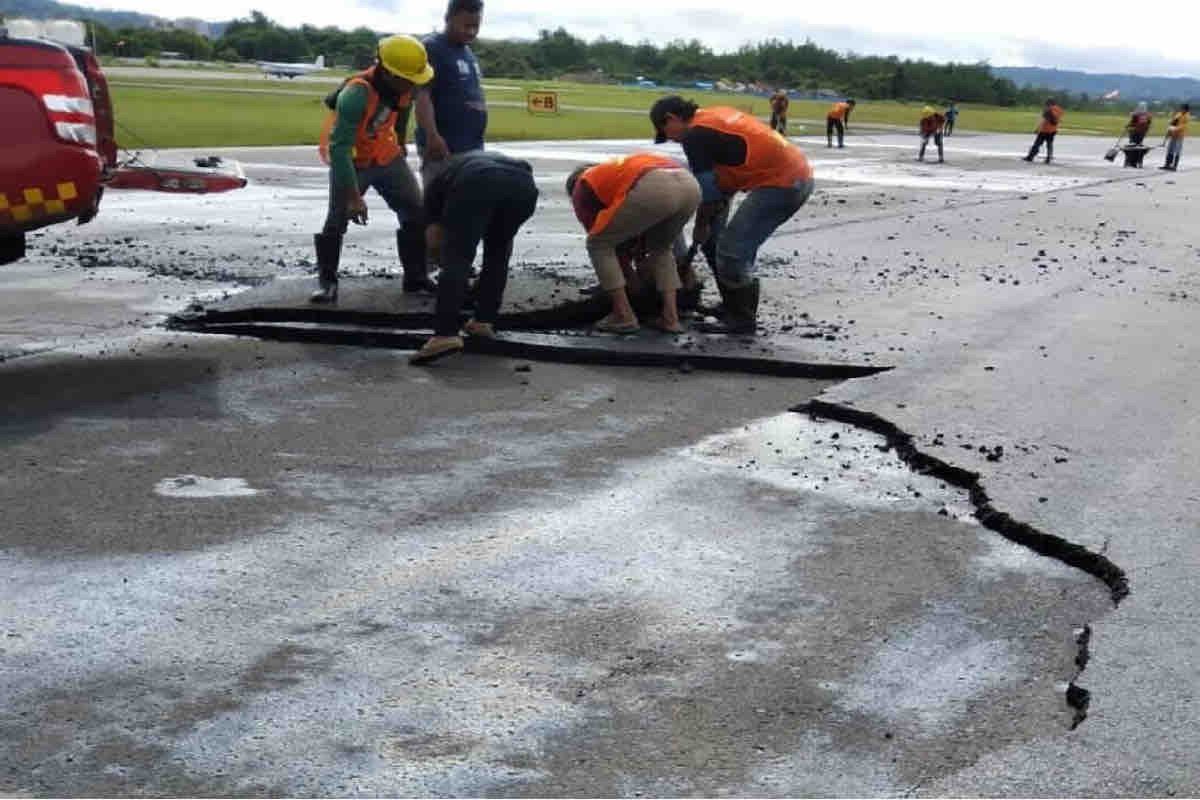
(1111, 155)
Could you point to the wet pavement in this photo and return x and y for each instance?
(241, 566)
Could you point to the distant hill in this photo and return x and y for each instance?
(1131, 87)
(50, 9)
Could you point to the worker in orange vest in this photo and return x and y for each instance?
(1052, 115)
(930, 127)
(837, 119)
(730, 151)
(363, 144)
(779, 108)
(645, 197)
(1176, 131)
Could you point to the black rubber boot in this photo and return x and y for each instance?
(741, 310)
(410, 246)
(329, 254)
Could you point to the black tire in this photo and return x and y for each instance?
(12, 247)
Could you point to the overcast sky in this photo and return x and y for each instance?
(1097, 36)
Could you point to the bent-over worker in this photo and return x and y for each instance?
(645, 197)
(838, 119)
(931, 127)
(478, 196)
(730, 151)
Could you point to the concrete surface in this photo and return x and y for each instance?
(240, 567)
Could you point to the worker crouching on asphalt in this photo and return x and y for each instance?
(479, 195)
(363, 143)
(729, 152)
(838, 119)
(1176, 131)
(1052, 115)
(645, 197)
(931, 127)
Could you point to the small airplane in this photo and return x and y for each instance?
(289, 70)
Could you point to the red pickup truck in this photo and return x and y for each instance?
(57, 148)
(56, 143)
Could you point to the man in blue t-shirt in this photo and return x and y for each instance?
(451, 111)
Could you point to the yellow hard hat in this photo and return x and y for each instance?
(405, 57)
(927, 111)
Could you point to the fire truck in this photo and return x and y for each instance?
(58, 150)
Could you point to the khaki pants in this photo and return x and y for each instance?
(656, 208)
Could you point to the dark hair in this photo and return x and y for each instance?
(575, 175)
(671, 104)
(1186, 107)
(464, 6)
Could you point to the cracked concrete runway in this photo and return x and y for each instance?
(238, 567)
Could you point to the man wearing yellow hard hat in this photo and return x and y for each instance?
(932, 124)
(363, 143)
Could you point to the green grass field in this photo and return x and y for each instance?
(173, 111)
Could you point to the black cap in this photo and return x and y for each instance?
(671, 104)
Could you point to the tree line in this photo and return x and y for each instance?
(804, 67)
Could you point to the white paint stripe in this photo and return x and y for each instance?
(196, 486)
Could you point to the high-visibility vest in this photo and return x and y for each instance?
(1051, 127)
(838, 110)
(375, 142)
(1178, 126)
(612, 181)
(771, 160)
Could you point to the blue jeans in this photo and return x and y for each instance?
(733, 245)
(1174, 149)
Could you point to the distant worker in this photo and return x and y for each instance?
(1047, 129)
(838, 119)
(477, 196)
(645, 197)
(779, 108)
(951, 118)
(729, 152)
(1176, 131)
(1139, 124)
(363, 143)
(931, 127)
(452, 112)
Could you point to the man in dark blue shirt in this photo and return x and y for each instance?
(452, 112)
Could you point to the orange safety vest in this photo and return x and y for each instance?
(612, 181)
(375, 141)
(838, 110)
(1051, 127)
(1177, 127)
(771, 160)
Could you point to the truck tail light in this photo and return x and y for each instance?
(66, 104)
(76, 132)
(69, 109)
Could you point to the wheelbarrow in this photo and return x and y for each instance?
(1134, 153)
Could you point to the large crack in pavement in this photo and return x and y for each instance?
(344, 327)
(1024, 534)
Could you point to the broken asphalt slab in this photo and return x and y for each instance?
(544, 317)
